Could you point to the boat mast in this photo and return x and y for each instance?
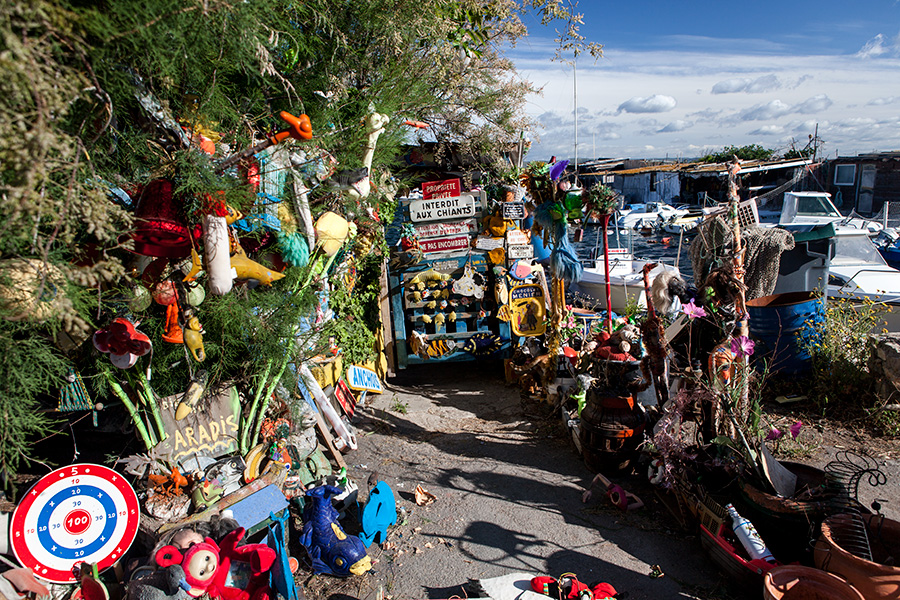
(575, 96)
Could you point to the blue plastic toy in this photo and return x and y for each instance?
(379, 513)
(330, 549)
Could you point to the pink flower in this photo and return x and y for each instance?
(692, 310)
(795, 429)
(742, 346)
(774, 434)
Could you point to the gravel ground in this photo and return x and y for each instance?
(508, 499)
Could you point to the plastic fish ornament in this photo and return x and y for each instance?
(483, 344)
(331, 550)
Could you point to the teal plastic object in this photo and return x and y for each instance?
(379, 513)
(281, 578)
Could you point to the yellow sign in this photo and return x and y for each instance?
(528, 309)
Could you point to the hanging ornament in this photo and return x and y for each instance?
(122, 342)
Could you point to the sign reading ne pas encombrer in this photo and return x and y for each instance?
(437, 209)
(446, 244)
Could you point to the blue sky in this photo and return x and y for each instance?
(681, 78)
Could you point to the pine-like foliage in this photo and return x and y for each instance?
(95, 99)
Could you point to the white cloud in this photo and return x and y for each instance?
(815, 104)
(768, 130)
(760, 85)
(677, 125)
(656, 103)
(810, 84)
(763, 112)
(731, 86)
(883, 101)
(874, 48)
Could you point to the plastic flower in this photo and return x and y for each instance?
(774, 434)
(742, 346)
(692, 310)
(795, 429)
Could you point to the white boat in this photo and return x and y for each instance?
(683, 224)
(650, 214)
(626, 281)
(858, 273)
(815, 208)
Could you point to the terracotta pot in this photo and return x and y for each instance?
(794, 582)
(874, 579)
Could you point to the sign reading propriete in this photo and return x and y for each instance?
(446, 244)
(514, 210)
(438, 209)
(441, 189)
(520, 251)
(429, 230)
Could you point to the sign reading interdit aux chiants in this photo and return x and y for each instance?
(437, 209)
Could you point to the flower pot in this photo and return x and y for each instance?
(788, 524)
(873, 578)
(793, 582)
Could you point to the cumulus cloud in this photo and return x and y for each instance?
(883, 101)
(705, 115)
(731, 86)
(677, 125)
(764, 112)
(768, 130)
(814, 105)
(656, 103)
(766, 83)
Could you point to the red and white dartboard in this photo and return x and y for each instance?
(82, 513)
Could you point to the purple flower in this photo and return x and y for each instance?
(774, 434)
(558, 169)
(795, 429)
(692, 310)
(742, 346)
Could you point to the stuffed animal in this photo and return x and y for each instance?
(165, 584)
(199, 562)
(206, 567)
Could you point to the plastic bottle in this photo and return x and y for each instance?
(749, 538)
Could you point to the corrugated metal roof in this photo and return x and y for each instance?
(696, 169)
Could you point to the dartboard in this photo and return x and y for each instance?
(82, 513)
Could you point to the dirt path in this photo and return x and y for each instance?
(508, 499)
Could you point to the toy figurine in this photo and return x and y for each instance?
(332, 551)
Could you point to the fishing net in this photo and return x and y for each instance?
(762, 257)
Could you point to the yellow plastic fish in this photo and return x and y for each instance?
(248, 269)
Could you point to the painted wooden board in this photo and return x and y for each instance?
(445, 244)
(446, 188)
(438, 209)
(516, 237)
(520, 251)
(441, 229)
(484, 242)
(514, 210)
(211, 430)
(345, 398)
(360, 378)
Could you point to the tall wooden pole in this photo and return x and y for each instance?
(740, 305)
